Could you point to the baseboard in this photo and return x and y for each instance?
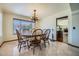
(11, 40)
(68, 44)
(7, 41)
(73, 45)
(2, 44)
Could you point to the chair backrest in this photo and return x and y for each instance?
(32, 30)
(19, 36)
(38, 32)
(47, 32)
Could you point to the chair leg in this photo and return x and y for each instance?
(33, 50)
(20, 48)
(48, 42)
(44, 44)
(28, 45)
(25, 46)
(18, 45)
(40, 47)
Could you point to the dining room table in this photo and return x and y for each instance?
(33, 36)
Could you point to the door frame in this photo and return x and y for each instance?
(60, 18)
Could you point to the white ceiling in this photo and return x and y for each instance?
(26, 9)
(74, 6)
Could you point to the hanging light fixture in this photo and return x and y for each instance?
(34, 17)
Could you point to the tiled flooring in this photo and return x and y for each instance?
(54, 49)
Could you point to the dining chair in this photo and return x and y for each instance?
(36, 41)
(21, 42)
(33, 30)
(46, 37)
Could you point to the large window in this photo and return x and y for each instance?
(22, 25)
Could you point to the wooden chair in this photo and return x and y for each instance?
(21, 42)
(36, 41)
(33, 30)
(46, 37)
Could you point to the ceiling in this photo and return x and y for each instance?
(26, 9)
(74, 6)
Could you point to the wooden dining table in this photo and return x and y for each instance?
(33, 36)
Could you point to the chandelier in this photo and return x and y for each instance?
(34, 17)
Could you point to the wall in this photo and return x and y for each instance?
(48, 23)
(75, 23)
(8, 25)
(75, 32)
(1, 32)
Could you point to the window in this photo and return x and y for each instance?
(22, 25)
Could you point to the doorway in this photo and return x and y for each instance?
(62, 29)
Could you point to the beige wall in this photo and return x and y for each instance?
(8, 25)
(1, 32)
